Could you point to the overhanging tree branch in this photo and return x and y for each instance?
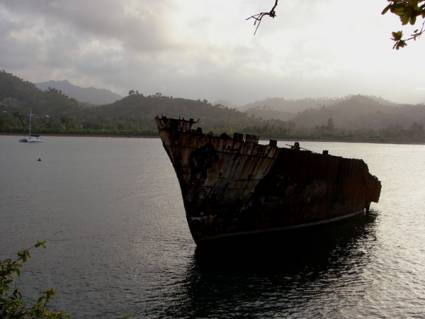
(259, 16)
(408, 11)
(400, 42)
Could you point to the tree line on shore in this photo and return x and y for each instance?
(133, 115)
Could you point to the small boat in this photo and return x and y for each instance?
(31, 138)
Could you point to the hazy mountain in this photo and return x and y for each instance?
(283, 109)
(359, 112)
(88, 95)
(288, 105)
(354, 112)
(226, 103)
(266, 113)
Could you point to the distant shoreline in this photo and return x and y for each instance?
(82, 135)
(289, 139)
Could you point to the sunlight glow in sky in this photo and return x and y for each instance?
(206, 49)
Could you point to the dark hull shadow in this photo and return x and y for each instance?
(287, 250)
(279, 273)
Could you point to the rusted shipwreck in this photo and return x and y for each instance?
(234, 186)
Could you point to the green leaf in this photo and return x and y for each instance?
(40, 243)
(397, 35)
(24, 255)
(404, 19)
(386, 9)
(400, 44)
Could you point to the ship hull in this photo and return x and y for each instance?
(235, 186)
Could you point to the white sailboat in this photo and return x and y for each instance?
(31, 138)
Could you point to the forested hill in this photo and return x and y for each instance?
(353, 118)
(136, 110)
(18, 95)
(54, 112)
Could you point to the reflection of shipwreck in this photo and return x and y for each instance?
(234, 186)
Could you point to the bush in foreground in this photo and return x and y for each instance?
(12, 304)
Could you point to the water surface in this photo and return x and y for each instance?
(118, 242)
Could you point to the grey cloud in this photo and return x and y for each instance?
(140, 27)
(132, 44)
(14, 53)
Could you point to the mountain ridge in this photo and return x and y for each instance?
(89, 95)
(351, 118)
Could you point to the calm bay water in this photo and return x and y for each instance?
(118, 242)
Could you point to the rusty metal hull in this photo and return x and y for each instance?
(234, 186)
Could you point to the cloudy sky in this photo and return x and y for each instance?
(206, 48)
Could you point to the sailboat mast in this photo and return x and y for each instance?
(30, 123)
